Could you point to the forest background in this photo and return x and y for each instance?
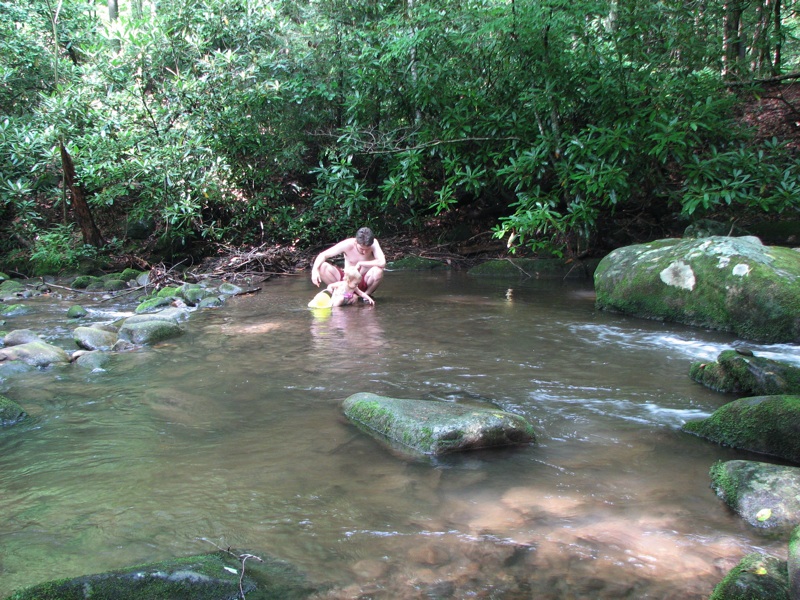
(159, 129)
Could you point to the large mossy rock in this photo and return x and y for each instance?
(793, 563)
(11, 413)
(435, 427)
(417, 263)
(764, 424)
(725, 283)
(766, 496)
(202, 577)
(35, 354)
(756, 577)
(751, 375)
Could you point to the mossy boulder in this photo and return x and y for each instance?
(13, 310)
(417, 263)
(763, 424)
(193, 293)
(20, 336)
(152, 304)
(35, 354)
(211, 302)
(169, 291)
(202, 577)
(747, 374)
(76, 312)
(10, 288)
(729, 284)
(538, 268)
(435, 427)
(94, 338)
(756, 577)
(11, 413)
(149, 332)
(793, 564)
(766, 496)
(84, 281)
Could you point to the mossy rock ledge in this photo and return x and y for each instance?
(756, 577)
(201, 577)
(766, 496)
(724, 283)
(751, 375)
(536, 268)
(434, 427)
(763, 424)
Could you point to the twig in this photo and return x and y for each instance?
(242, 557)
(520, 268)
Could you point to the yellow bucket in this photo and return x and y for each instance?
(321, 300)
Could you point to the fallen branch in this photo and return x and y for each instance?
(241, 557)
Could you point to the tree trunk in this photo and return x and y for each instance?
(83, 215)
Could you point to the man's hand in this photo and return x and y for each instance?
(315, 278)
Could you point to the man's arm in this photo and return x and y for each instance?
(378, 260)
(325, 255)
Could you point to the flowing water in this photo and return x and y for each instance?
(232, 435)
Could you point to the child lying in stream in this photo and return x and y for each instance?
(347, 291)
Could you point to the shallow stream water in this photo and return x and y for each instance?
(232, 435)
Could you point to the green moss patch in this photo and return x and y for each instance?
(764, 424)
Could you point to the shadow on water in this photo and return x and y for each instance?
(234, 434)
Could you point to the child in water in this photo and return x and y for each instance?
(347, 290)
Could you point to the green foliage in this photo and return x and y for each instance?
(58, 249)
(253, 120)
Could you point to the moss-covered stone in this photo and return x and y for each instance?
(756, 577)
(94, 338)
(203, 577)
(11, 287)
(76, 312)
(11, 413)
(751, 375)
(766, 496)
(13, 310)
(764, 424)
(84, 281)
(793, 564)
(152, 304)
(129, 274)
(35, 354)
(730, 284)
(168, 292)
(417, 263)
(230, 289)
(433, 427)
(538, 268)
(149, 332)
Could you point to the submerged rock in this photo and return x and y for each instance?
(202, 577)
(11, 413)
(766, 496)
(538, 268)
(764, 424)
(434, 427)
(730, 284)
(747, 374)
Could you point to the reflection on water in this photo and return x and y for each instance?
(234, 434)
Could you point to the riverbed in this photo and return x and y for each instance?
(232, 436)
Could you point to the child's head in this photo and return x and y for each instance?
(352, 275)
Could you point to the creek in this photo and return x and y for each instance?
(232, 435)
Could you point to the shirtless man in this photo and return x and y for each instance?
(362, 252)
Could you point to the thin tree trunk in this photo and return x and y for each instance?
(83, 215)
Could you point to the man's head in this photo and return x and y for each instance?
(365, 237)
